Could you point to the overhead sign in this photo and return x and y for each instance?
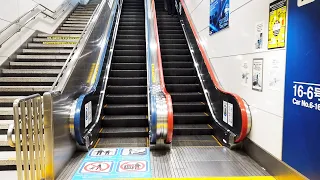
(219, 15)
(277, 24)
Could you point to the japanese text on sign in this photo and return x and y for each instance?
(306, 95)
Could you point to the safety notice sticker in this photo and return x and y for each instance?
(103, 152)
(132, 166)
(96, 167)
(134, 151)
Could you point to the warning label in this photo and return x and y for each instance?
(132, 166)
(96, 167)
(134, 151)
(104, 152)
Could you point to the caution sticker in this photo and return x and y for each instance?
(132, 166)
(96, 167)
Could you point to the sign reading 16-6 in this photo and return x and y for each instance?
(306, 95)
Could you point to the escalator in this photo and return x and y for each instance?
(125, 113)
(34, 69)
(192, 118)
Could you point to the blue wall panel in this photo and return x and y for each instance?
(301, 129)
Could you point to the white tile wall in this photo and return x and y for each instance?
(227, 51)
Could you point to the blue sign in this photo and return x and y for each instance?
(103, 163)
(219, 15)
(302, 90)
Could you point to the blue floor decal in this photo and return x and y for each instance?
(115, 163)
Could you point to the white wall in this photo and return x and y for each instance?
(229, 49)
(12, 9)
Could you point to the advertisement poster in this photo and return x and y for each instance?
(219, 15)
(258, 42)
(257, 74)
(274, 82)
(277, 24)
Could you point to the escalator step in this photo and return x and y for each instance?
(140, 37)
(187, 97)
(192, 129)
(189, 107)
(130, 47)
(122, 142)
(123, 132)
(183, 87)
(124, 99)
(128, 28)
(131, 41)
(128, 66)
(129, 52)
(187, 64)
(169, 31)
(166, 58)
(181, 79)
(125, 109)
(173, 41)
(195, 140)
(179, 71)
(129, 59)
(131, 32)
(128, 81)
(128, 73)
(127, 89)
(191, 118)
(125, 121)
(173, 46)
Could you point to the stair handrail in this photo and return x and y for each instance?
(58, 87)
(16, 21)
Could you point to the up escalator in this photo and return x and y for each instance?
(192, 118)
(125, 113)
(34, 69)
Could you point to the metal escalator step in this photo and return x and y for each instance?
(167, 19)
(126, 28)
(166, 58)
(129, 59)
(123, 99)
(69, 32)
(168, 23)
(31, 72)
(46, 51)
(169, 27)
(125, 121)
(194, 140)
(54, 57)
(181, 79)
(179, 64)
(130, 47)
(172, 41)
(131, 41)
(124, 132)
(187, 97)
(132, 16)
(129, 52)
(122, 36)
(189, 107)
(72, 28)
(41, 45)
(122, 142)
(137, 23)
(73, 25)
(183, 87)
(191, 118)
(133, 13)
(128, 66)
(131, 32)
(125, 109)
(127, 89)
(128, 81)
(167, 31)
(172, 36)
(174, 46)
(179, 71)
(128, 73)
(57, 35)
(131, 19)
(192, 129)
(39, 65)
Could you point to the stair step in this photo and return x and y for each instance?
(42, 57)
(33, 72)
(48, 40)
(76, 22)
(69, 32)
(39, 65)
(24, 88)
(57, 45)
(72, 28)
(73, 25)
(58, 35)
(46, 51)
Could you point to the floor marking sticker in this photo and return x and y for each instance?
(103, 152)
(96, 167)
(132, 166)
(134, 151)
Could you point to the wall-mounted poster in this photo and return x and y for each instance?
(277, 24)
(257, 74)
(219, 15)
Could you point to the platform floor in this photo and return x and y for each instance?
(202, 161)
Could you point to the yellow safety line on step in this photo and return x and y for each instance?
(59, 43)
(96, 143)
(62, 37)
(216, 140)
(206, 114)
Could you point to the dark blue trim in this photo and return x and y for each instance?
(77, 115)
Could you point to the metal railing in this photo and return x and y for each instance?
(33, 137)
(71, 55)
(20, 26)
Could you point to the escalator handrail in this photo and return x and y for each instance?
(161, 77)
(241, 102)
